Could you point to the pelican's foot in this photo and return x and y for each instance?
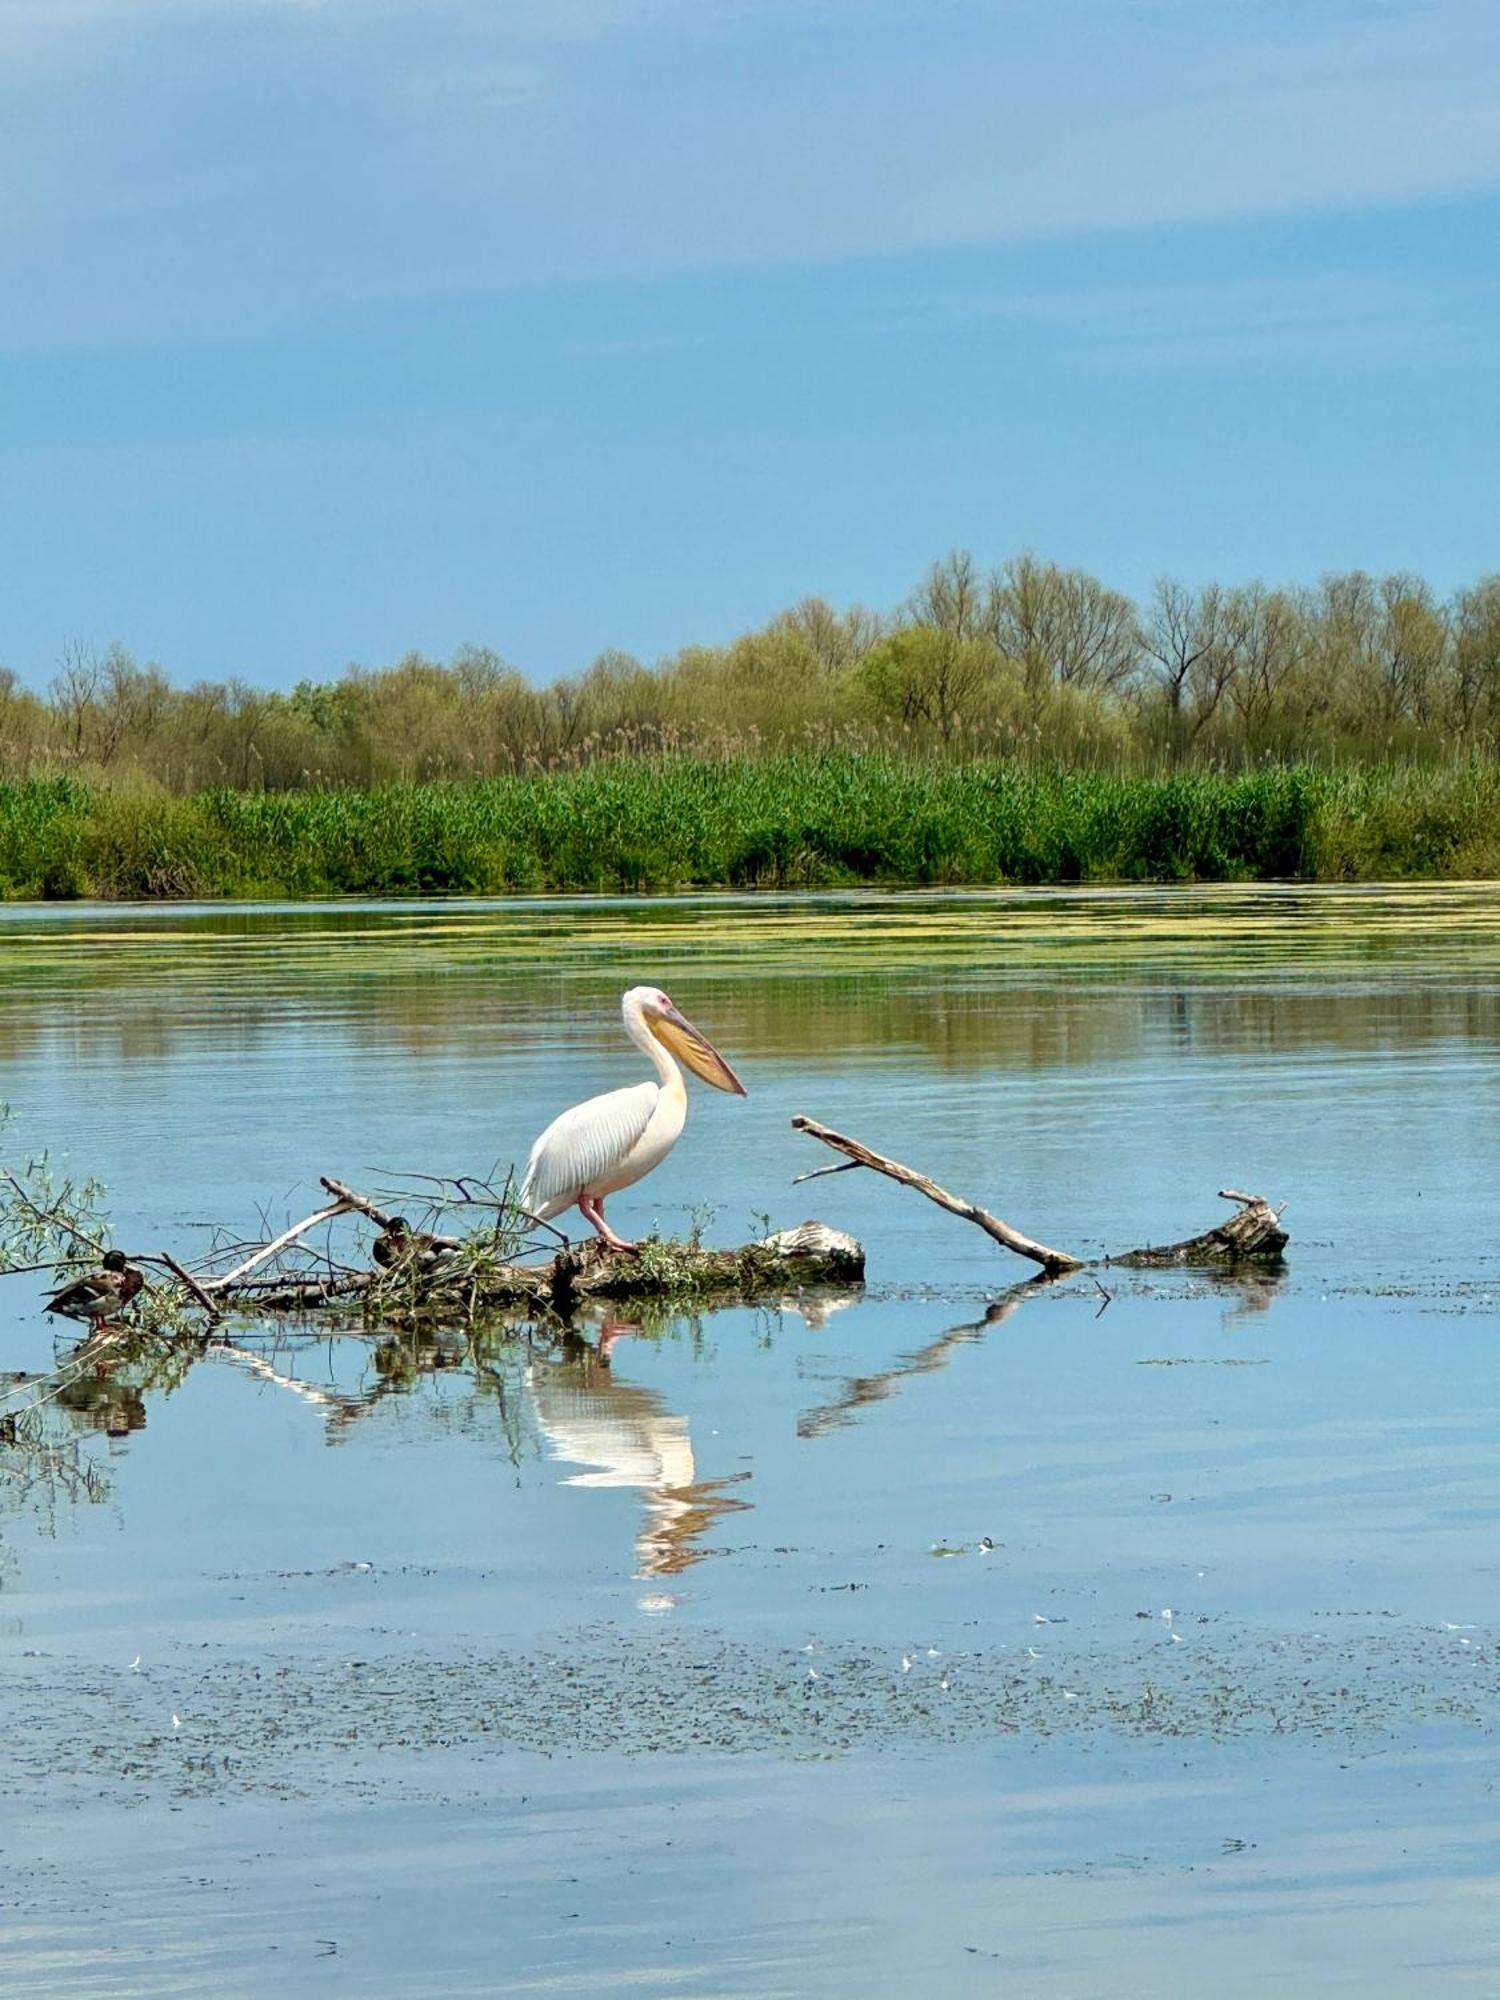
(592, 1211)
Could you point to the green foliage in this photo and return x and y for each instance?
(799, 820)
(1022, 724)
(1030, 661)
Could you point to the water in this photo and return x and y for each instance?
(339, 1665)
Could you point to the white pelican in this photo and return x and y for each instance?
(615, 1140)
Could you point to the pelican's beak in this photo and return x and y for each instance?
(696, 1050)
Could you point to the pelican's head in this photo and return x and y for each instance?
(660, 1018)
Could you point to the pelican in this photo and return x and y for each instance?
(613, 1141)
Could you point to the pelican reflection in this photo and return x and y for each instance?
(622, 1434)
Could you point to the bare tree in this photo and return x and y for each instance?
(951, 598)
(1063, 626)
(1476, 655)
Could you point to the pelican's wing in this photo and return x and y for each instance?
(584, 1145)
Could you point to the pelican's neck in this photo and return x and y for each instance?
(638, 1029)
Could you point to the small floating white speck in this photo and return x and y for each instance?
(1032, 1653)
(813, 1674)
(1167, 1616)
(906, 1663)
(135, 1665)
(177, 1722)
(1039, 1618)
(1069, 1695)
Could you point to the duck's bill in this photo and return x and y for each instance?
(698, 1052)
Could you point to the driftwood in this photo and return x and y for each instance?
(1254, 1234)
(1054, 1262)
(789, 1261)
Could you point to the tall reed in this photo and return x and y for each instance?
(802, 820)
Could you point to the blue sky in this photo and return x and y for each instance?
(335, 328)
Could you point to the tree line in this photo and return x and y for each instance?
(1026, 660)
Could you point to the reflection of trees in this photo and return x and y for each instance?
(967, 959)
(626, 1437)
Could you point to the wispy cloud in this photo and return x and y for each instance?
(197, 165)
(1277, 318)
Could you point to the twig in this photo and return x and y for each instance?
(268, 1250)
(47, 1264)
(817, 1174)
(52, 1220)
(192, 1284)
(1053, 1262)
(348, 1198)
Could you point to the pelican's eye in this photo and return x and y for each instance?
(663, 1001)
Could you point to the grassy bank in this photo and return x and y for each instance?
(795, 821)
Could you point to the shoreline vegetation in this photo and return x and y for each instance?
(800, 820)
(1025, 724)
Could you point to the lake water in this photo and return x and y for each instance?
(945, 1634)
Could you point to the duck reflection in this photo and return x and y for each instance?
(622, 1434)
(97, 1399)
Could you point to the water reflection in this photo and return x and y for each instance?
(1247, 1293)
(102, 1399)
(1087, 977)
(624, 1436)
(1013, 1016)
(859, 1393)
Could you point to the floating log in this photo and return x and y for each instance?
(811, 1254)
(1252, 1235)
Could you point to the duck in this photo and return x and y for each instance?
(99, 1293)
(401, 1244)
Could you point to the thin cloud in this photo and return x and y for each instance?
(187, 167)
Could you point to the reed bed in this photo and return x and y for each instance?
(796, 821)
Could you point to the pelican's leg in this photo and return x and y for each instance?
(592, 1210)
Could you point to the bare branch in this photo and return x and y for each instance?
(187, 1278)
(1053, 1262)
(269, 1250)
(818, 1173)
(348, 1198)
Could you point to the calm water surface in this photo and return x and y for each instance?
(346, 1666)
